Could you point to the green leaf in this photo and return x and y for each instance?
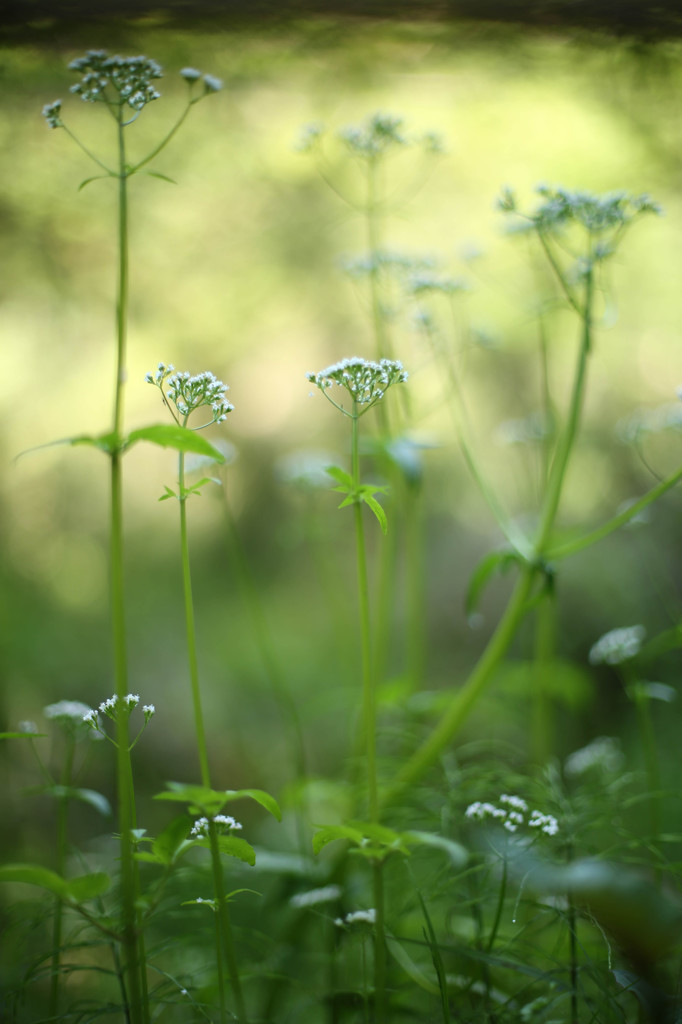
(341, 477)
(96, 177)
(260, 796)
(33, 874)
(232, 846)
(87, 886)
(92, 797)
(329, 833)
(457, 854)
(170, 843)
(495, 561)
(377, 510)
(199, 798)
(162, 177)
(196, 488)
(108, 443)
(170, 435)
(170, 493)
(76, 889)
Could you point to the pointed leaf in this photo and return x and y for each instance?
(87, 886)
(168, 843)
(329, 833)
(495, 561)
(170, 493)
(92, 797)
(457, 854)
(340, 475)
(95, 177)
(232, 846)
(170, 435)
(162, 177)
(199, 798)
(260, 796)
(377, 510)
(34, 874)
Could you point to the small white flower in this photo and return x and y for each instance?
(325, 894)
(514, 801)
(66, 709)
(617, 646)
(227, 821)
(190, 74)
(212, 84)
(28, 727)
(51, 112)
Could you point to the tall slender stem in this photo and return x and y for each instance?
(224, 931)
(62, 820)
(369, 728)
(467, 696)
(131, 946)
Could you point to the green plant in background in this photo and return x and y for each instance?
(578, 233)
(183, 395)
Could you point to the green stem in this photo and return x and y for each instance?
(467, 696)
(369, 728)
(563, 550)
(541, 713)
(62, 822)
(383, 344)
(224, 932)
(190, 629)
(134, 964)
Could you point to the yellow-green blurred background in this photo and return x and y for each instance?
(236, 269)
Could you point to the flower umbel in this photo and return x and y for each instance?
(189, 393)
(116, 80)
(365, 381)
(617, 646)
(513, 815)
(51, 113)
(225, 823)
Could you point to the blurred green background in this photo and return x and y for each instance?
(237, 269)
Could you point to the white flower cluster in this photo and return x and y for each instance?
(378, 134)
(357, 917)
(325, 894)
(66, 711)
(130, 77)
(512, 815)
(225, 822)
(51, 113)
(617, 646)
(603, 752)
(365, 381)
(109, 708)
(597, 214)
(188, 393)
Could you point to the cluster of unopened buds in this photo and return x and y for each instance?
(512, 815)
(188, 393)
(617, 646)
(224, 822)
(364, 380)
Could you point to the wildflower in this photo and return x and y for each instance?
(312, 898)
(512, 815)
(365, 381)
(148, 710)
(212, 84)
(546, 822)
(200, 827)
(51, 112)
(357, 917)
(190, 74)
(68, 715)
(189, 393)
(129, 77)
(617, 646)
(28, 727)
(376, 136)
(66, 710)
